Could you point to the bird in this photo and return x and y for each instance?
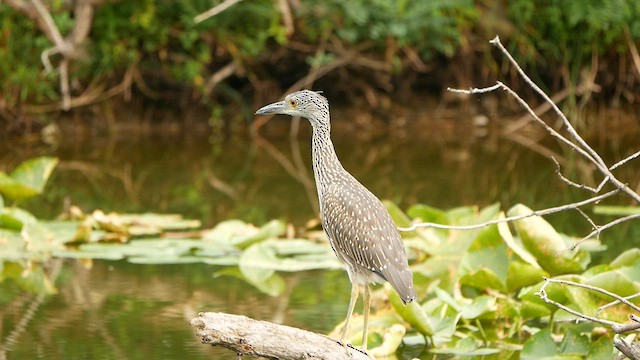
(361, 231)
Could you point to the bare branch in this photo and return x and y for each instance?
(597, 289)
(618, 328)
(624, 161)
(543, 295)
(599, 229)
(544, 212)
(584, 149)
(215, 10)
(616, 302)
(576, 185)
(632, 351)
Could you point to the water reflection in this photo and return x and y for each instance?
(117, 310)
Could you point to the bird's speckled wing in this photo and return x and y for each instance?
(365, 237)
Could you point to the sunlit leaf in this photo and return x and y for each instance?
(443, 320)
(616, 210)
(546, 244)
(622, 281)
(521, 274)
(164, 259)
(539, 346)
(222, 260)
(28, 179)
(465, 347)
(601, 349)
(479, 306)
(485, 263)
(392, 338)
(243, 235)
(272, 285)
(303, 255)
(505, 233)
(412, 312)
(574, 343)
(627, 258)
(73, 254)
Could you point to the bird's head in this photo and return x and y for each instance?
(305, 103)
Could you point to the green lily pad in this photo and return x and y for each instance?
(28, 179)
(243, 235)
(412, 312)
(546, 244)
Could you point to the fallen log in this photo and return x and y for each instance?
(247, 336)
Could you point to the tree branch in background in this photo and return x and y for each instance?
(68, 47)
(215, 10)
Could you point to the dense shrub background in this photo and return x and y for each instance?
(555, 39)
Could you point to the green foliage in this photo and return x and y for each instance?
(569, 32)
(432, 27)
(478, 289)
(163, 42)
(25, 181)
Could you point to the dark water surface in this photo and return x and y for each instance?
(117, 310)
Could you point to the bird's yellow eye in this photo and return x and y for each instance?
(293, 102)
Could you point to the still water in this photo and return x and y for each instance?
(117, 310)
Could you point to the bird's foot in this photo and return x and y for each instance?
(349, 349)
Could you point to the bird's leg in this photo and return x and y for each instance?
(367, 305)
(352, 304)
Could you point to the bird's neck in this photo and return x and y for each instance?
(326, 166)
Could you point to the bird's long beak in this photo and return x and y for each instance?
(275, 108)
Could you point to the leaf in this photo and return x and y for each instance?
(399, 218)
(539, 346)
(574, 343)
(28, 179)
(627, 258)
(426, 213)
(621, 281)
(466, 347)
(601, 349)
(547, 245)
(74, 254)
(266, 256)
(412, 312)
(521, 274)
(272, 285)
(479, 306)
(392, 339)
(243, 235)
(616, 210)
(505, 233)
(485, 264)
(443, 320)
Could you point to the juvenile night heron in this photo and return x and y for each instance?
(360, 229)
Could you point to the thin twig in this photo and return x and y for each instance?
(624, 161)
(543, 212)
(215, 10)
(596, 289)
(576, 185)
(616, 302)
(587, 151)
(601, 228)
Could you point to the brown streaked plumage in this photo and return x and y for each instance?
(360, 229)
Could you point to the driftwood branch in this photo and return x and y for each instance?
(246, 336)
